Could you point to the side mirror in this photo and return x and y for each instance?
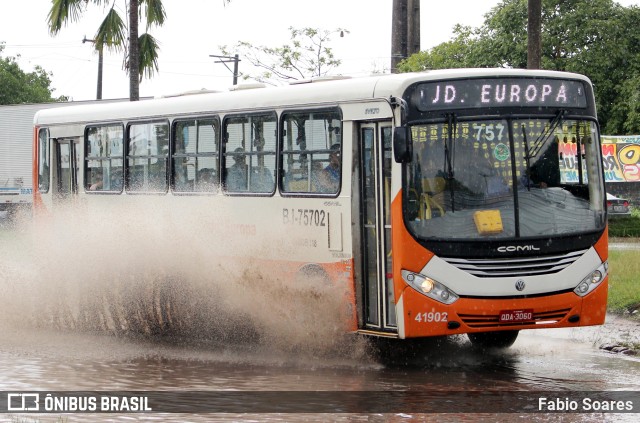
(402, 148)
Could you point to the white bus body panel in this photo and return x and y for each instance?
(465, 284)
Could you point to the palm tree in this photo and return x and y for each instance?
(534, 34)
(141, 53)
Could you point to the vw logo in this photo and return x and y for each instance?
(520, 284)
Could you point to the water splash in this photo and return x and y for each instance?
(173, 273)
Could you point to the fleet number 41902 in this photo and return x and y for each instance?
(431, 316)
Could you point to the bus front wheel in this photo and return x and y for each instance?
(503, 339)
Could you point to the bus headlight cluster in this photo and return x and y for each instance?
(430, 287)
(592, 280)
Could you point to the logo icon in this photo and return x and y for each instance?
(23, 402)
(520, 285)
(501, 152)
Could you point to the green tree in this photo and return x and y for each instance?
(308, 55)
(597, 38)
(457, 53)
(17, 86)
(141, 52)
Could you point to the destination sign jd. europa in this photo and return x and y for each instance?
(500, 92)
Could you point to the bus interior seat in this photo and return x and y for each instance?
(298, 185)
(433, 185)
(429, 200)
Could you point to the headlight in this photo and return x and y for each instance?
(592, 280)
(430, 287)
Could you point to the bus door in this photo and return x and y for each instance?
(66, 170)
(375, 223)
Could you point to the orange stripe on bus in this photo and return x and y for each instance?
(602, 246)
(409, 255)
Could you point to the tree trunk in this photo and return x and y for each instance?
(534, 35)
(134, 52)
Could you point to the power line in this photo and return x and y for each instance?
(48, 45)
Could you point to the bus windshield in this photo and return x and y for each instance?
(504, 178)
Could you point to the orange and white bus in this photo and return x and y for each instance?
(446, 202)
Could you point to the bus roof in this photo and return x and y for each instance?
(298, 95)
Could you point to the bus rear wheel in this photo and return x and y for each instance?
(502, 339)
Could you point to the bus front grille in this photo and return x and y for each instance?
(493, 320)
(518, 266)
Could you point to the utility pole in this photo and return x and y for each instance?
(405, 30)
(100, 64)
(227, 59)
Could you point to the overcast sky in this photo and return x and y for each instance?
(195, 29)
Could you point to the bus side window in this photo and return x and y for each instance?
(311, 151)
(104, 158)
(250, 153)
(195, 161)
(43, 160)
(147, 156)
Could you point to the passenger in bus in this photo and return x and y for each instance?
(329, 179)
(261, 179)
(96, 180)
(237, 173)
(207, 180)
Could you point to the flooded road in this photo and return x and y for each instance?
(58, 333)
(36, 360)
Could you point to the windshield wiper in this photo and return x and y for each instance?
(579, 154)
(448, 146)
(542, 139)
(526, 157)
(448, 153)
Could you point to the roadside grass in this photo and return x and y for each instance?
(624, 266)
(624, 282)
(625, 226)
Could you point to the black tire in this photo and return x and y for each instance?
(503, 339)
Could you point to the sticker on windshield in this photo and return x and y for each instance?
(501, 152)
